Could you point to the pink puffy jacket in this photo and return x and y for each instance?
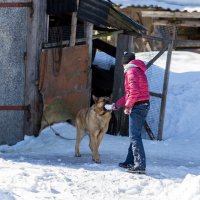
(135, 83)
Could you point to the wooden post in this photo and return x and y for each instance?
(89, 34)
(73, 28)
(157, 56)
(165, 87)
(124, 43)
(33, 98)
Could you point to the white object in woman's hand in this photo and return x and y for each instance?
(108, 106)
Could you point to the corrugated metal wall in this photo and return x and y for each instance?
(13, 35)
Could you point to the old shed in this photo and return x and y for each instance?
(46, 59)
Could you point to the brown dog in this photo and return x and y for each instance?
(94, 120)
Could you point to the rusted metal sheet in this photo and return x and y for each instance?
(64, 79)
(14, 107)
(15, 4)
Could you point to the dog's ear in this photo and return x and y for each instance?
(94, 98)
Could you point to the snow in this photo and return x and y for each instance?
(44, 167)
(182, 5)
(103, 60)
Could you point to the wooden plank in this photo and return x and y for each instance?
(168, 14)
(188, 43)
(32, 95)
(73, 28)
(182, 23)
(89, 41)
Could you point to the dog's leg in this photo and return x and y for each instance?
(94, 144)
(99, 138)
(79, 137)
(90, 144)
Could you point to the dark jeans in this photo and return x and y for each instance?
(136, 153)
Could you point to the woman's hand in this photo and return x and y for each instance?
(127, 111)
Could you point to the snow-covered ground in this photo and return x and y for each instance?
(45, 167)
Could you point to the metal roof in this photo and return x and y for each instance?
(101, 13)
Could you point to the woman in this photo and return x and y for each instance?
(136, 105)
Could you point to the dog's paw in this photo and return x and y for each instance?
(97, 161)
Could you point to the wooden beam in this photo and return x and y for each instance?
(124, 43)
(47, 45)
(148, 130)
(188, 43)
(89, 41)
(89, 33)
(157, 56)
(165, 86)
(105, 34)
(36, 30)
(179, 23)
(154, 94)
(73, 28)
(168, 14)
(105, 47)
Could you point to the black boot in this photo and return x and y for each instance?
(124, 165)
(136, 171)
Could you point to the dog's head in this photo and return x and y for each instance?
(100, 102)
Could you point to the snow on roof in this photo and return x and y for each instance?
(182, 5)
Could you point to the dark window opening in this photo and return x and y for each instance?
(60, 29)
